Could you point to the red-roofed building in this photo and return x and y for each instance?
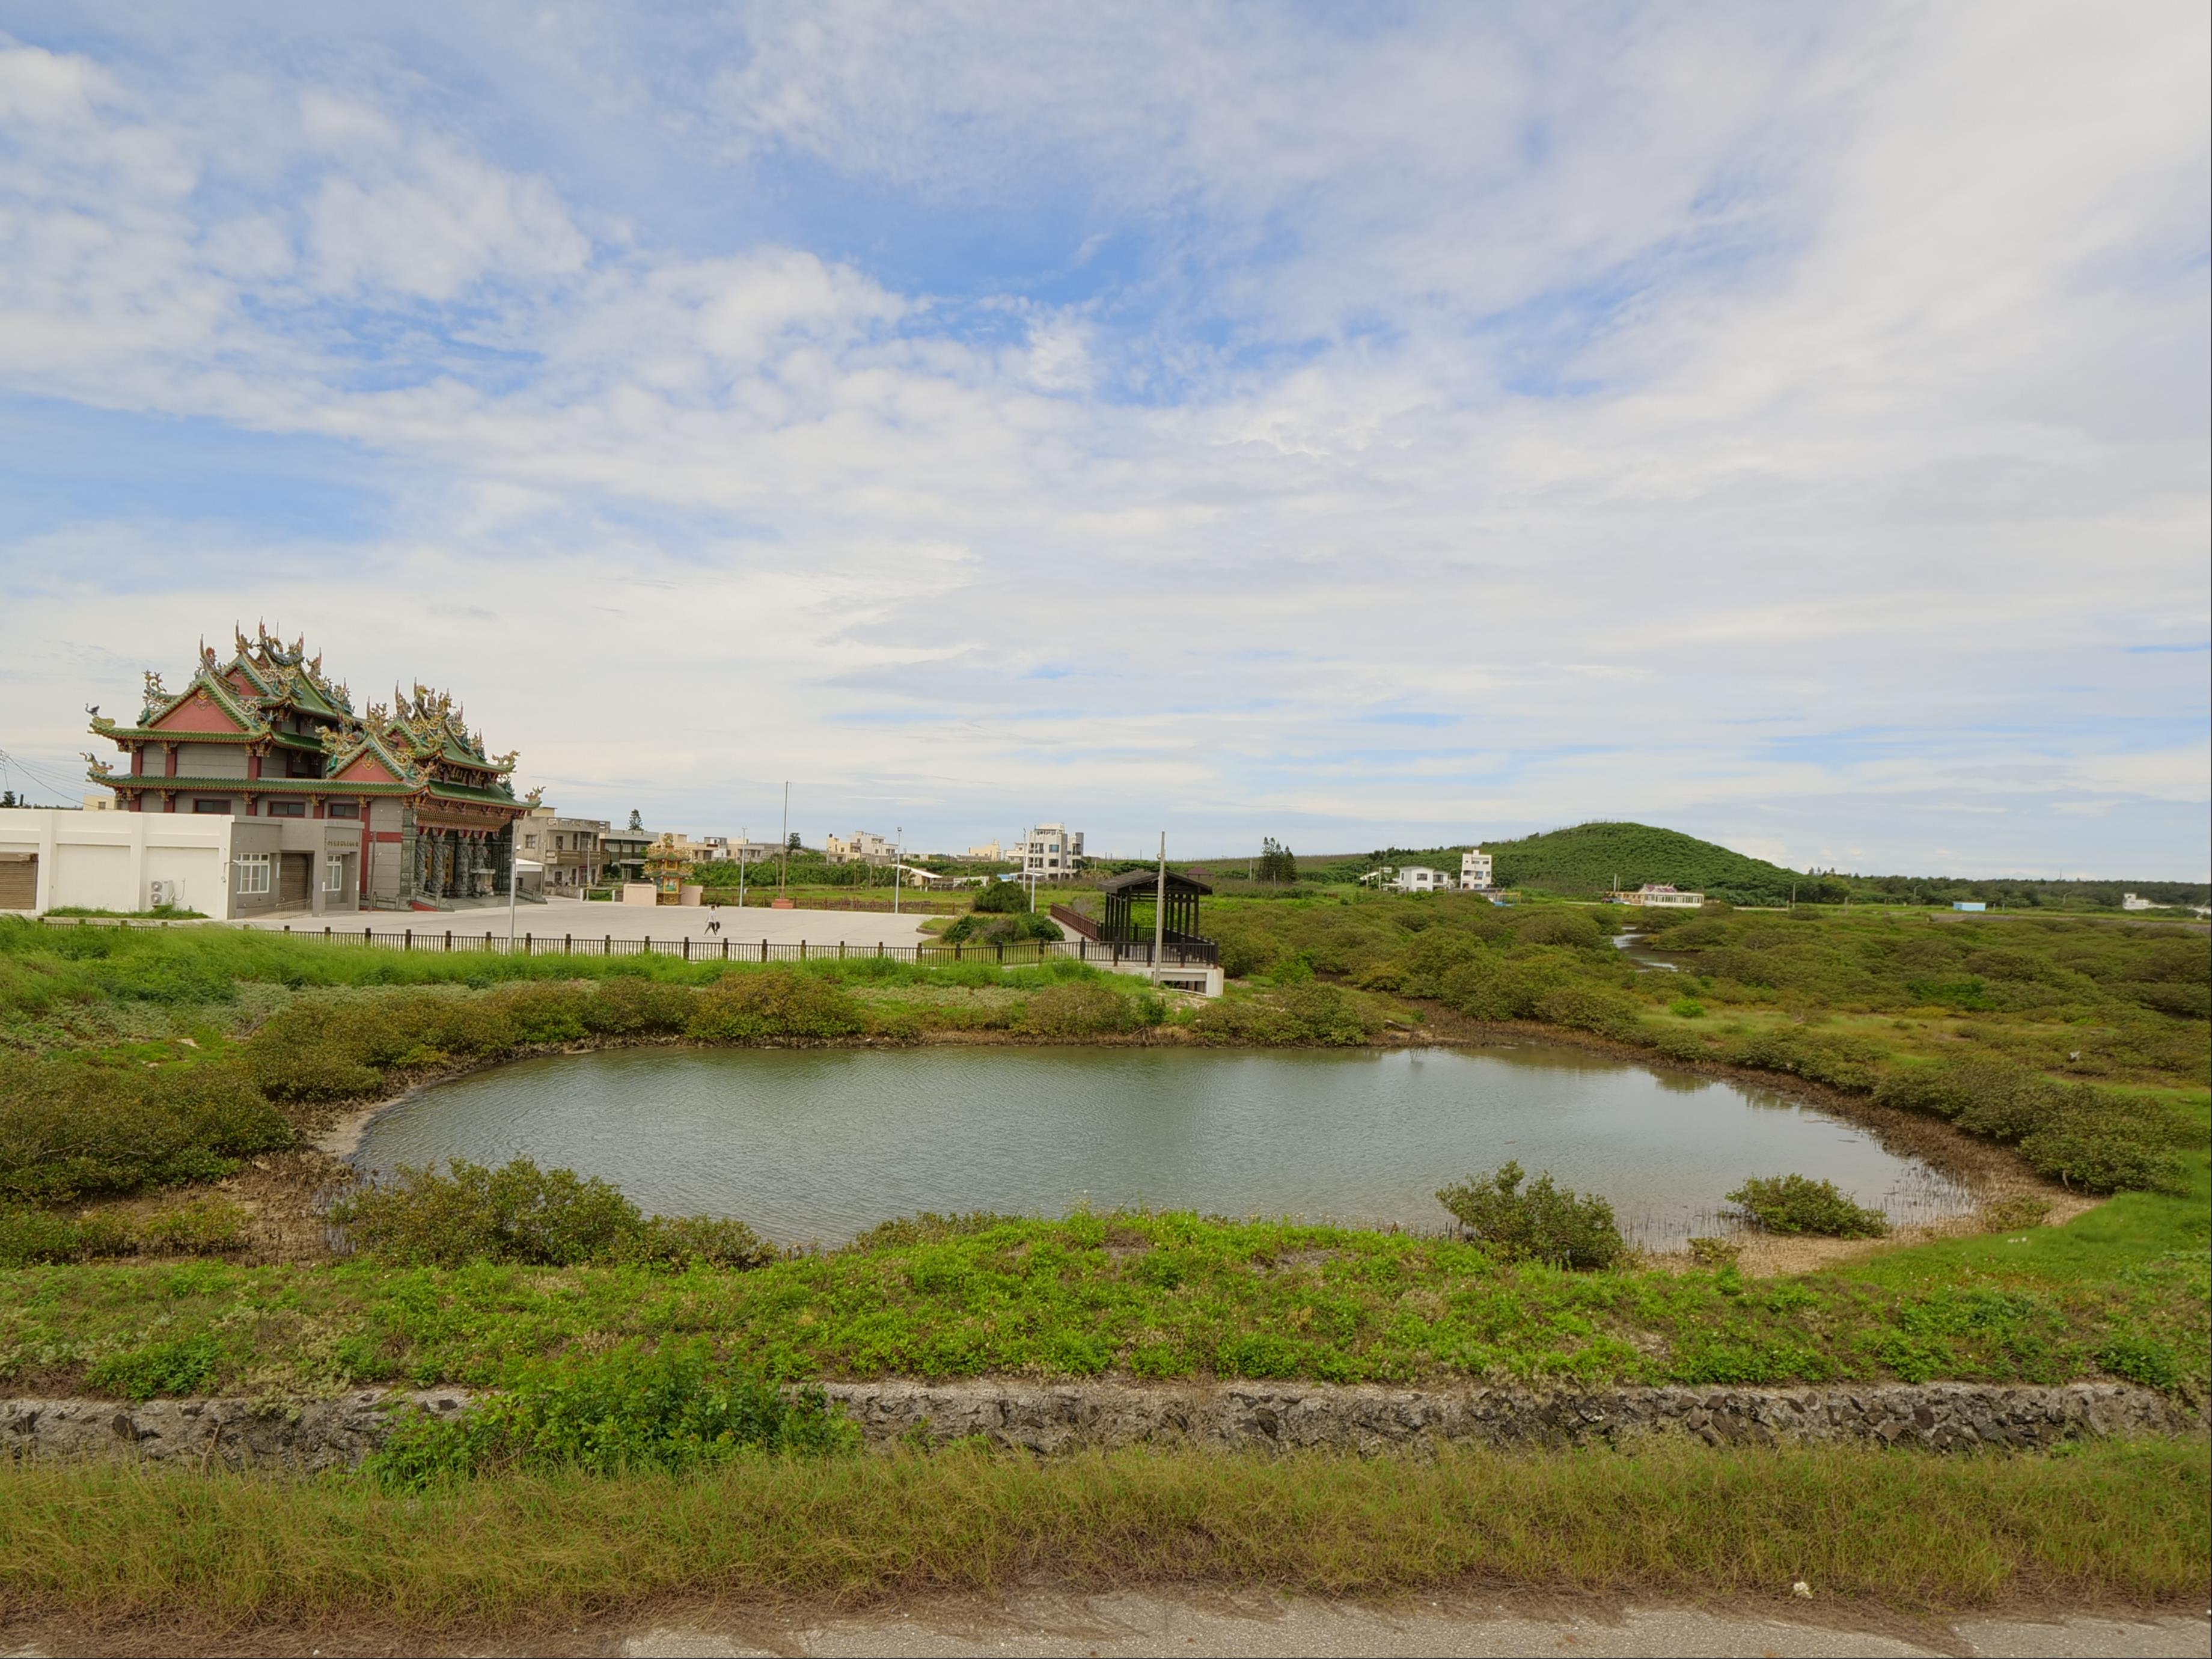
(398, 806)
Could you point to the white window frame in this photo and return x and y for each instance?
(253, 870)
(333, 873)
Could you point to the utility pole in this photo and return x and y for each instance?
(741, 873)
(1160, 912)
(783, 880)
(513, 878)
(898, 857)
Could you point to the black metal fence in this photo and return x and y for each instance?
(1203, 953)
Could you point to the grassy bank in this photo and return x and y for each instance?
(2119, 1293)
(2111, 1524)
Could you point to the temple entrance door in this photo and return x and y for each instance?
(295, 877)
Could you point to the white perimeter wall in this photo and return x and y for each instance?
(108, 860)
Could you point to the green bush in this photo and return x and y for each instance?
(1421, 968)
(182, 1366)
(1542, 1224)
(699, 1241)
(614, 1413)
(638, 1004)
(1799, 1204)
(1577, 929)
(1082, 1009)
(72, 1130)
(1314, 1013)
(33, 1237)
(206, 1226)
(517, 1213)
(520, 1213)
(2099, 1140)
(1506, 985)
(1686, 1008)
(775, 1002)
(1589, 1008)
(1001, 929)
(1002, 898)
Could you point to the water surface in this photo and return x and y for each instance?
(822, 1143)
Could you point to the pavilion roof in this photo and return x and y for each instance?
(1136, 883)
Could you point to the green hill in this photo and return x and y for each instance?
(1584, 860)
(1587, 858)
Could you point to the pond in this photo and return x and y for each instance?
(820, 1144)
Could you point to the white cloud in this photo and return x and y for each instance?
(1603, 389)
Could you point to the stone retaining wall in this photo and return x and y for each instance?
(1943, 1416)
(294, 1434)
(1052, 1418)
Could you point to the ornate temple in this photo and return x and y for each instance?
(267, 734)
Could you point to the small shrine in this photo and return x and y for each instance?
(668, 867)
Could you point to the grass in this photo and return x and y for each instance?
(1162, 1297)
(176, 1055)
(2108, 1523)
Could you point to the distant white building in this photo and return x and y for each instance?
(1661, 896)
(1474, 869)
(1410, 878)
(989, 850)
(865, 846)
(2137, 901)
(1050, 852)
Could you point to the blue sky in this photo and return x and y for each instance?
(1412, 424)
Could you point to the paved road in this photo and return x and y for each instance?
(1247, 1624)
(627, 921)
(1260, 1626)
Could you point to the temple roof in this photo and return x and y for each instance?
(421, 740)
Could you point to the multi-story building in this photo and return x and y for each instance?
(394, 807)
(989, 850)
(568, 848)
(1050, 852)
(865, 847)
(1474, 869)
(621, 853)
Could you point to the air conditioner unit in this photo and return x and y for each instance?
(163, 894)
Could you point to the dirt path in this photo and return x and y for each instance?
(1251, 1624)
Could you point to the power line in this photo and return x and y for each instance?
(15, 764)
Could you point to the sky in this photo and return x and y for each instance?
(1393, 424)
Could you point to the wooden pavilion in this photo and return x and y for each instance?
(1118, 926)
